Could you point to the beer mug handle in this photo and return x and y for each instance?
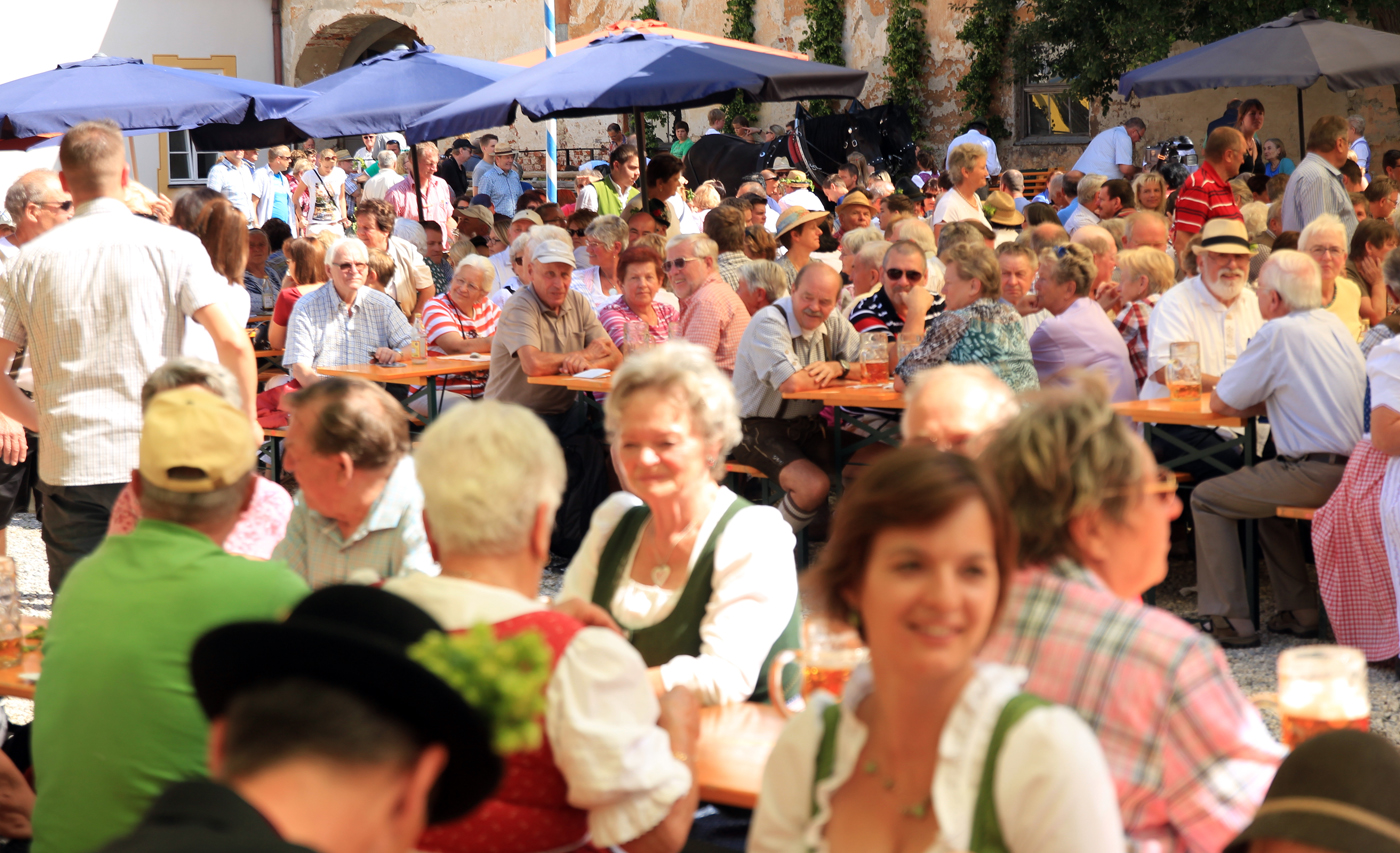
(775, 680)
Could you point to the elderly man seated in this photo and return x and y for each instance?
(799, 343)
(712, 315)
(957, 407)
(346, 323)
(761, 283)
(1304, 370)
(1217, 310)
(119, 721)
(358, 514)
(617, 767)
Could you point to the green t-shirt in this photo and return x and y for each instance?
(116, 720)
(678, 148)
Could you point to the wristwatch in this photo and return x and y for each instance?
(845, 367)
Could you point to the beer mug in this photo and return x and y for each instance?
(1320, 688)
(875, 356)
(830, 651)
(636, 336)
(11, 636)
(1184, 372)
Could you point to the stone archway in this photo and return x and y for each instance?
(352, 38)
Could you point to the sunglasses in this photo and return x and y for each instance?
(678, 264)
(896, 274)
(64, 206)
(347, 267)
(577, 232)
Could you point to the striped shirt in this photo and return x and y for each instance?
(714, 318)
(877, 313)
(775, 347)
(1204, 196)
(325, 332)
(390, 542)
(101, 303)
(1315, 188)
(1189, 754)
(616, 315)
(440, 316)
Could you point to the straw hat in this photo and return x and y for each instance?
(795, 216)
(856, 198)
(1002, 210)
(795, 178)
(1226, 236)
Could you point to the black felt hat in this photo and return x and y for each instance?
(1336, 791)
(355, 638)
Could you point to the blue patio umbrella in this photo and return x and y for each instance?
(1293, 51)
(140, 98)
(389, 91)
(638, 72)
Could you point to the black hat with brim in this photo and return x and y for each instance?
(355, 638)
(1335, 791)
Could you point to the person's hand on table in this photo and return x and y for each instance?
(574, 362)
(14, 446)
(600, 348)
(823, 372)
(588, 613)
(384, 355)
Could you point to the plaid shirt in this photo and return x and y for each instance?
(1189, 754)
(728, 265)
(325, 332)
(1131, 323)
(1204, 196)
(715, 318)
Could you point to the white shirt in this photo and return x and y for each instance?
(236, 183)
(805, 199)
(977, 138)
(1307, 370)
(709, 131)
(1052, 790)
(233, 298)
(1188, 312)
(754, 591)
(101, 303)
(952, 207)
(589, 282)
(267, 185)
(600, 712)
(587, 199)
(1082, 216)
(504, 271)
(378, 186)
(1106, 152)
(8, 249)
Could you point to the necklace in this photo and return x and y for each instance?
(1334, 296)
(918, 811)
(660, 573)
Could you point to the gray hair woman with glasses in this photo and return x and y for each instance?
(976, 326)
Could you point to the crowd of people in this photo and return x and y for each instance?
(230, 666)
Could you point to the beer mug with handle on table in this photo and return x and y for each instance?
(1320, 688)
(1184, 372)
(830, 651)
(875, 357)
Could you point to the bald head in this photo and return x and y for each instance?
(956, 407)
(1104, 247)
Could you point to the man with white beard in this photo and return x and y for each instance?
(1216, 310)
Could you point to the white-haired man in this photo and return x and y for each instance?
(1304, 370)
(1013, 183)
(761, 283)
(496, 481)
(1110, 154)
(956, 407)
(1217, 310)
(378, 186)
(713, 316)
(345, 323)
(1087, 194)
(1101, 243)
(89, 365)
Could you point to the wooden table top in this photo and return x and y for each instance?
(30, 663)
(1165, 410)
(260, 318)
(735, 741)
(268, 353)
(403, 373)
(601, 384)
(843, 392)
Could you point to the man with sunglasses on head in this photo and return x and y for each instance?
(712, 314)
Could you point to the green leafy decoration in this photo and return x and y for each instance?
(647, 12)
(502, 679)
(986, 31)
(826, 27)
(741, 28)
(906, 59)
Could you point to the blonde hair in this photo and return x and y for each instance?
(964, 157)
(917, 231)
(975, 260)
(706, 197)
(1154, 263)
(1151, 178)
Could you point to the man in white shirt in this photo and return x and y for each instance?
(1304, 370)
(89, 364)
(799, 192)
(377, 186)
(1111, 153)
(232, 177)
(716, 120)
(1217, 310)
(977, 134)
(1087, 212)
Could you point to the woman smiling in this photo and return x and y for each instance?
(462, 320)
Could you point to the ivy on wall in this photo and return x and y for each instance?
(826, 26)
(986, 33)
(907, 58)
(741, 28)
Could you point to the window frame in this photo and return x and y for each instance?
(223, 65)
(1025, 90)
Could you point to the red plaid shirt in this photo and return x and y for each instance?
(714, 318)
(1189, 754)
(1131, 323)
(1204, 196)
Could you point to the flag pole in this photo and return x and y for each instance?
(551, 150)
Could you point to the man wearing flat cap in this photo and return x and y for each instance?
(118, 720)
(326, 734)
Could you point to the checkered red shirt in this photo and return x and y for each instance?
(437, 203)
(714, 317)
(1204, 196)
(1189, 754)
(1131, 323)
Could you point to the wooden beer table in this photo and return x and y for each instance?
(735, 741)
(598, 384)
(11, 682)
(405, 373)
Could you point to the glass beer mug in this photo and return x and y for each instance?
(1184, 372)
(830, 651)
(1320, 688)
(875, 357)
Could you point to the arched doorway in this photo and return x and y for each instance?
(349, 40)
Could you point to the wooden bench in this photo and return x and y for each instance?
(274, 437)
(1302, 513)
(1036, 179)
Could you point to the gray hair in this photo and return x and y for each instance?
(486, 470)
(689, 372)
(963, 157)
(1256, 218)
(1056, 182)
(1141, 217)
(387, 159)
(1322, 223)
(1095, 238)
(410, 230)
(973, 389)
(852, 240)
(1275, 211)
(340, 245)
(540, 233)
(1295, 277)
(1089, 187)
(194, 508)
(766, 276)
(1013, 180)
(917, 231)
(872, 254)
(183, 370)
(520, 246)
(609, 229)
(29, 189)
(953, 233)
(483, 266)
(1358, 124)
(699, 244)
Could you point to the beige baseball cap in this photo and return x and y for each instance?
(195, 441)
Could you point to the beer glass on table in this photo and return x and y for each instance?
(1184, 372)
(11, 636)
(636, 335)
(875, 357)
(1321, 688)
(830, 651)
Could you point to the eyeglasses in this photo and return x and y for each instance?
(896, 274)
(1335, 251)
(347, 267)
(678, 264)
(64, 206)
(577, 232)
(1161, 483)
(517, 260)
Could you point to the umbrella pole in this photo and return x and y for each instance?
(641, 153)
(1302, 138)
(418, 184)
